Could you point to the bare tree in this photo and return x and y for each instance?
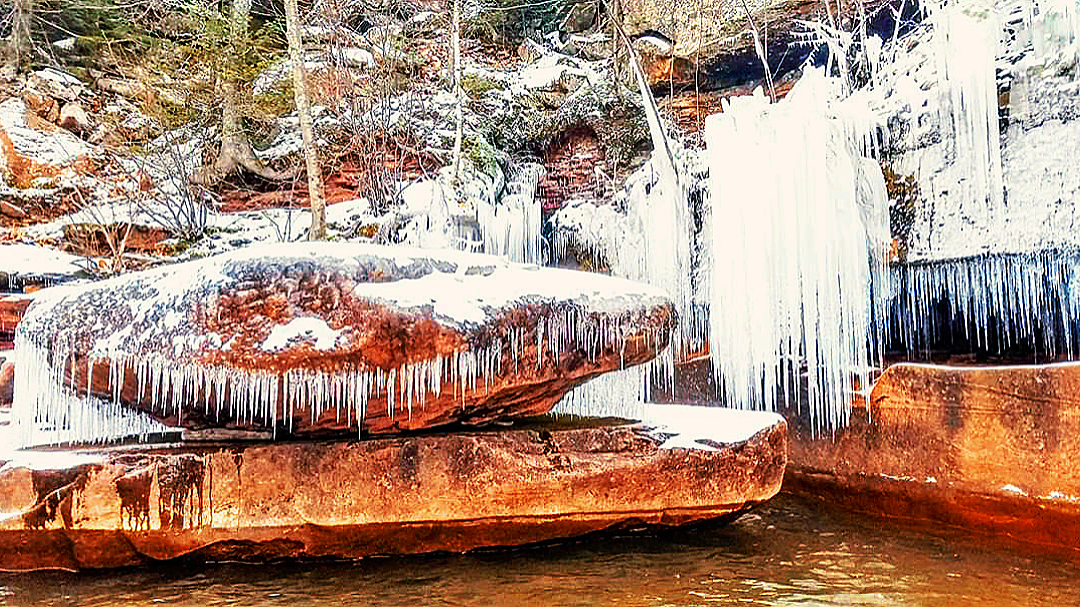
(459, 98)
(236, 152)
(18, 46)
(307, 130)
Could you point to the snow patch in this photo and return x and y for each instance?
(697, 427)
(307, 328)
(52, 146)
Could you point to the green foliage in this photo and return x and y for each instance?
(477, 86)
(277, 101)
(172, 115)
(482, 154)
(241, 59)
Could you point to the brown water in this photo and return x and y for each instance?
(789, 552)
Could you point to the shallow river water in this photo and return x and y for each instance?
(788, 552)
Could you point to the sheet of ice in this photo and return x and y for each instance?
(44, 460)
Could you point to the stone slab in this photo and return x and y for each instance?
(992, 449)
(323, 339)
(125, 506)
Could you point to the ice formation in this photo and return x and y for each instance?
(161, 353)
(994, 302)
(792, 270)
(512, 227)
(993, 250)
(967, 36)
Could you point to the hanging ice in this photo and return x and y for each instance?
(305, 337)
(967, 36)
(792, 270)
(512, 227)
(993, 302)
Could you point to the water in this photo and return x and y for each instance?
(789, 552)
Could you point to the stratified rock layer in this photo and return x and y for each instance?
(324, 337)
(993, 449)
(452, 492)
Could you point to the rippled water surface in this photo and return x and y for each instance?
(789, 552)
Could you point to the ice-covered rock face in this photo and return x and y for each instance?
(324, 337)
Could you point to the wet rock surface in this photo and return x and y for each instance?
(313, 338)
(992, 449)
(453, 492)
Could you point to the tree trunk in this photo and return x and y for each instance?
(236, 152)
(459, 111)
(614, 23)
(18, 47)
(317, 231)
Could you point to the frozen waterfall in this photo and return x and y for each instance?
(793, 271)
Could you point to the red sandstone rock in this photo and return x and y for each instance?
(7, 382)
(995, 450)
(575, 169)
(30, 147)
(12, 307)
(453, 492)
(10, 210)
(330, 337)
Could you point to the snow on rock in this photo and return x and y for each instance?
(317, 337)
(706, 428)
(22, 264)
(32, 148)
(987, 191)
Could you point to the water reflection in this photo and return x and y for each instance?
(788, 553)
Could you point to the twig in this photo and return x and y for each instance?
(761, 52)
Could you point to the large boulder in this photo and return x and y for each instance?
(348, 499)
(990, 449)
(308, 338)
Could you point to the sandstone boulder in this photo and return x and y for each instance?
(327, 337)
(451, 492)
(990, 449)
(31, 148)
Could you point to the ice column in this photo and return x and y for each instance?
(792, 194)
(512, 227)
(967, 36)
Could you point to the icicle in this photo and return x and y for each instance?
(512, 227)
(993, 302)
(967, 35)
(792, 274)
